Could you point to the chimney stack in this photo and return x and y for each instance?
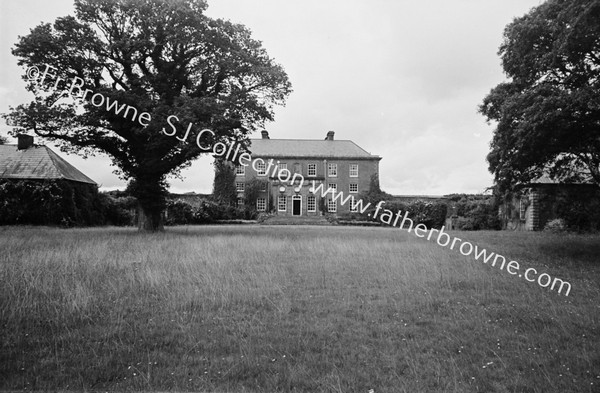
(265, 135)
(330, 135)
(24, 142)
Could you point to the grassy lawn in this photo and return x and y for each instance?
(294, 309)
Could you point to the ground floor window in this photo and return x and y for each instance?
(261, 204)
(240, 202)
(312, 203)
(282, 203)
(331, 206)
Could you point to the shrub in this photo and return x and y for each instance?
(119, 208)
(179, 213)
(50, 202)
(475, 212)
(557, 225)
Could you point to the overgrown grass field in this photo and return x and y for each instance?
(294, 309)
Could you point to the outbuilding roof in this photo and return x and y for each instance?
(37, 162)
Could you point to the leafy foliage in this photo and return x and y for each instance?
(224, 191)
(475, 212)
(555, 226)
(577, 207)
(50, 202)
(163, 58)
(180, 212)
(548, 113)
(252, 191)
(375, 194)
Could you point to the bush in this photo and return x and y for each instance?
(475, 212)
(50, 202)
(182, 213)
(179, 213)
(557, 225)
(432, 215)
(119, 208)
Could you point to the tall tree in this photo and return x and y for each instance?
(161, 59)
(224, 189)
(548, 112)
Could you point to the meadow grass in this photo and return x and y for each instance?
(293, 309)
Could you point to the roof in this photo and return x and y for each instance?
(308, 148)
(37, 162)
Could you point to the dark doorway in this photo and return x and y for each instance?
(296, 205)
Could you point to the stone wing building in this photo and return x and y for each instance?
(290, 167)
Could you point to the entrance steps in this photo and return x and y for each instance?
(295, 220)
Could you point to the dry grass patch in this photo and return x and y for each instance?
(305, 309)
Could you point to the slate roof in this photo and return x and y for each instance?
(308, 148)
(37, 162)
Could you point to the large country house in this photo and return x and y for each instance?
(338, 164)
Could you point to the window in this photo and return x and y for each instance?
(282, 203)
(312, 169)
(281, 166)
(353, 206)
(262, 168)
(239, 186)
(312, 203)
(261, 204)
(332, 170)
(240, 202)
(240, 170)
(353, 170)
(331, 206)
(263, 186)
(333, 186)
(353, 187)
(523, 208)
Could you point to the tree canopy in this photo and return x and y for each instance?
(180, 70)
(548, 112)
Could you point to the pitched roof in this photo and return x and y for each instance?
(313, 148)
(37, 162)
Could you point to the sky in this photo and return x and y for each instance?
(401, 78)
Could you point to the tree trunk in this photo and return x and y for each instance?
(150, 220)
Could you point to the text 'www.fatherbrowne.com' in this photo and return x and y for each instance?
(443, 239)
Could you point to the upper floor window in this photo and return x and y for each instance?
(353, 187)
(240, 170)
(262, 168)
(312, 169)
(332, 170)
(333, 186)
(239, 186)
(353, 170)
(240, 202)
(282, 165)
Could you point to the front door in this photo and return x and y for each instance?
(296, 205)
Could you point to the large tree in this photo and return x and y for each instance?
(164, 58)
(548, 112)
